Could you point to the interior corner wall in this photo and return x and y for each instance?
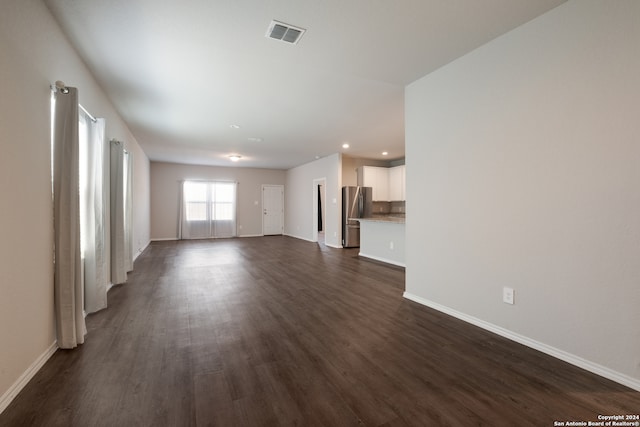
(35, 53)
(349, 171)
(523, 162)
(350, 167)
(165, 185)
(298, 212)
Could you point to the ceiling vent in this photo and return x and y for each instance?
(284, 32)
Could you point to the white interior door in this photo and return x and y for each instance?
(272, 209)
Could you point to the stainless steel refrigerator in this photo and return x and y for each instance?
(356, 203)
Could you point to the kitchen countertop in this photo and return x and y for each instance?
(391, 218)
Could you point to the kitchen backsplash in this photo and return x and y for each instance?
(388, 207)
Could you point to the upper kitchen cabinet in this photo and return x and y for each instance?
(397, 184)
(376, 178)
(388, 183)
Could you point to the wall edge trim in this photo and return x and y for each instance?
(381, 259)
(26, 376)
(139, 251)
(333, 246)
(578, 361)
(298, 237)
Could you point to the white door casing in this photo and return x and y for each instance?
(322, 182)
(272, 209)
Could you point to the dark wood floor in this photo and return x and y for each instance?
(277, 331)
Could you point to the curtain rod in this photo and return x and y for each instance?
(93, 119)
(60, 86)
(115, 141)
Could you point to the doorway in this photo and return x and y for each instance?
(319, 210)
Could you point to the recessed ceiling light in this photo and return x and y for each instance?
(384, 153)
(234, 126)
(345, 145)
(254, 139)
(235, 157)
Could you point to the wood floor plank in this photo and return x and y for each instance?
(277, 331)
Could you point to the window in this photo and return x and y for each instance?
(223, 201)
(195, 197)
(209, 209)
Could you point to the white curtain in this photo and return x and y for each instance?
(121, 213)
(128, 210)
(207, 209)
(68, 286)
(92, 217)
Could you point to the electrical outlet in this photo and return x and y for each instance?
(508, 295)
(391, 245)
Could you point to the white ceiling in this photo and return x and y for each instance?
(181, 72)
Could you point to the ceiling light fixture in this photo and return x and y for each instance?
(384, 153)
(345, 145)
(234, 126)
(235, 157)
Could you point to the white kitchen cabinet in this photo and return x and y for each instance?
(397, 186)
(376, 178)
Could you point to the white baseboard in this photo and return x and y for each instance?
(587, 365)
(298, 237)
(26, 376)
(313, 241)
(388, 261)
(164, 239)
(140, 250)
(295, 237)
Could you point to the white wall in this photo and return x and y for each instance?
(141, 198)
(165, 185)
(35, 54)
(523, 162)
(300, 219)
